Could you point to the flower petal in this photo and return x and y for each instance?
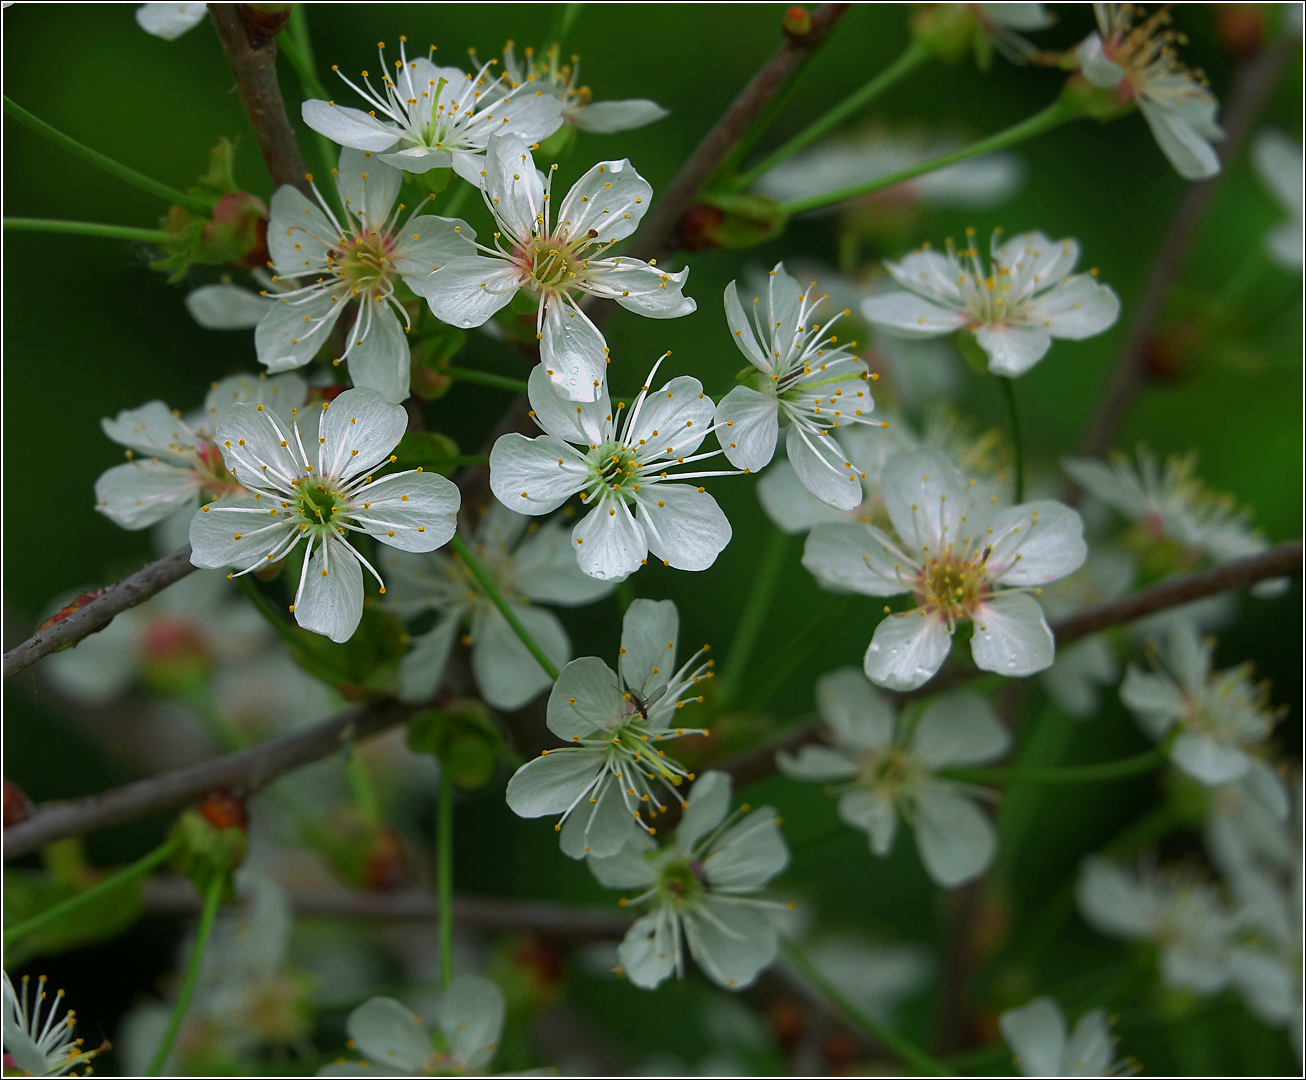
(816, 763)
(586, 699)
(348, 127)
(906, 650)
(283, 395)
(1036, 1034)
(956, 840)
(609, 200)
(428, 242)
(388, 1034)
(1076, 309)
(423, 665)
(291, 333)
(359, 430)
(823, 468)
(731, 940)
(513, 185)
(581, 422)
(368, 188)
(789, 505)
(220, 538)
(550, 783)
(648, 953)
(650, 631)
(684, 526)
(855, 712)
(852, 557)
(607, 117)
(908, 315)
(470, 1014)
(678, 416)
(1094, 64)
(743, 331)
(641, 288)
(227, 307)
(1036, 542)
(1091, 1048)
(1011, 636)
(929, 501)
(535, 476)
(748, 856)
(1155, 702)
(1206, 760)
(609, 543)
(411, 511)
(170, 20)
(602, 824)
(628, 868)
(874, 814)
(573, 352)
(378, 357)
(1012, 350)
(139, 494)
(959, 729)
(708, 805)
(332, 602)
(544, 569)
(467, 291)
(506, 672)
(153, 430)
(1189, 152)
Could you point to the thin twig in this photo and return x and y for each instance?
(1282, 561)
(1252, 87)
(129, 592)
(253, 60)
(243, 773)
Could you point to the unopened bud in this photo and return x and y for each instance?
(264, 21)
(237, 232)
(797, 22)
(1241, 27)
(17, 806)
(223, 810)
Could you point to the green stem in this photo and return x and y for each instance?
(211, 900)
(908, 62)
(444, 874)
(88, 228)
(1017, 448)
(882, 1033)
(567, 15)
(361, 787)
(456, 200)
(750, 622)
(139, 868)
(492, 591)
(485, 378)
(1054, 115)
(1070, 774)
(800, 648)
(193, 203)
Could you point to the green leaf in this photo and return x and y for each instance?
(28, 893)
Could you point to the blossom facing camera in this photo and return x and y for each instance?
(701, 890)
(1014, 306)
(614, 769)
(395, 1042)
(885, 768)
(321, 500)
(562, 80)
(1041, 1045)
(361, 258)
(1217, 716)
(960, 556)
(532, 564)
(37, 1044)
(431, 117)
(621, 470)
(555, 258)
(1138, 62)
(804, 381)
(178, 459)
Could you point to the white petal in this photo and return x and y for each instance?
(573, 352)
(1011, 636)
(789, 505)
(956, 840)
(513, 184)
(379, 358)
(332, 603)
(153, 430)
(585, 699)
(709, 803)
(816, 763)
(227, 307)
(641, 288)
(213, 534)
(1114, 901)
(1156, 703)
(170, 21)
(628, 868)
(748, 856)
(1018, 16)
(930, 275)
(544, 569)
(1192, 156)
(1076, 309)
(608, 541)
(601, 825)
(359, 430)
(906, 650)
(684, 526)
(471, 1016)
(299, 233)
(606, 117)
(1208, 761)
(857, 558)
(348, 127)
(1074, 678)
(139, 494)
(467, 291)
(874, 814)
(1094, 64)
(532, 115)
(959, 729)
(535, 476)
(1278, 162)
(927, 499)
(650, 631)
(1036, 1034)
(648, 951)
(1036, 542)
(677, 416)
(909, 315)
(290, 334)
(1091, 1048)
(1012, 350)
(368, 188)
(823, 468)
(283, 395)
(610, 200)
(423, 665)
(411, 511)
(742, 329)
(550, 783)
(731, 940)
(856, 713)
(581, 422)
(389, 1034)
(427, 243)
(252, 447)
(417, 159)
(507, 675)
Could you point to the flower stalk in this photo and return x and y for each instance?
(1069, 774)
(754, 613)
(1017, 447)
(444, 876)
(88, 228)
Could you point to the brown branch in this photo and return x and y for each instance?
(1253, 84)
(249, 40)
(129, 592)
(243, 773)
(1282, 561)
(660, 227)
(169, 895)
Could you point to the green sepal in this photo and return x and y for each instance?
(745, 220)
(207, 851)
(465, 738)
(976, 358)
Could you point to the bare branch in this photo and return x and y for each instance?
(129, 592)
(243, 772)
(1285, 560)
(177, 896)
(250, 42)
(1252, 87)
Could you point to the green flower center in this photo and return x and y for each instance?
(551, 264)
(318, 502)
(366, 262)
(952, 586)
(617, 466)
(679, 884)
(891, 771)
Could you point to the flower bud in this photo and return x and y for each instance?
(1241, 27)
(223, 810)
(237, 233)
(797, 22)
(264, 21)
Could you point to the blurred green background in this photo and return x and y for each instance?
(90, 329)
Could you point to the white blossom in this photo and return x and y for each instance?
(960, 556)
(615, 722)
(224, 306)
(1037, 1035)
(1278, 162)
(1216, 717)
(701, 890)
(173, 461)
(803, 381)
(37, 1042)
(621, 470)
(555, 258)
(1138, 62)
(361, 258)
(1248, 829)
(886, 768)
(395, 1042)
(562, 80)
(431, 117)
(876, 977)
(170, 21)
(1014, 307)
(531, 564)
(321, 501)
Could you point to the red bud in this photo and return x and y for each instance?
(797, 21)
(223, 810)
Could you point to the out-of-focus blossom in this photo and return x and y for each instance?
(170, 21)
(1278, 162)
(1042, 1046)
(562, 79)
